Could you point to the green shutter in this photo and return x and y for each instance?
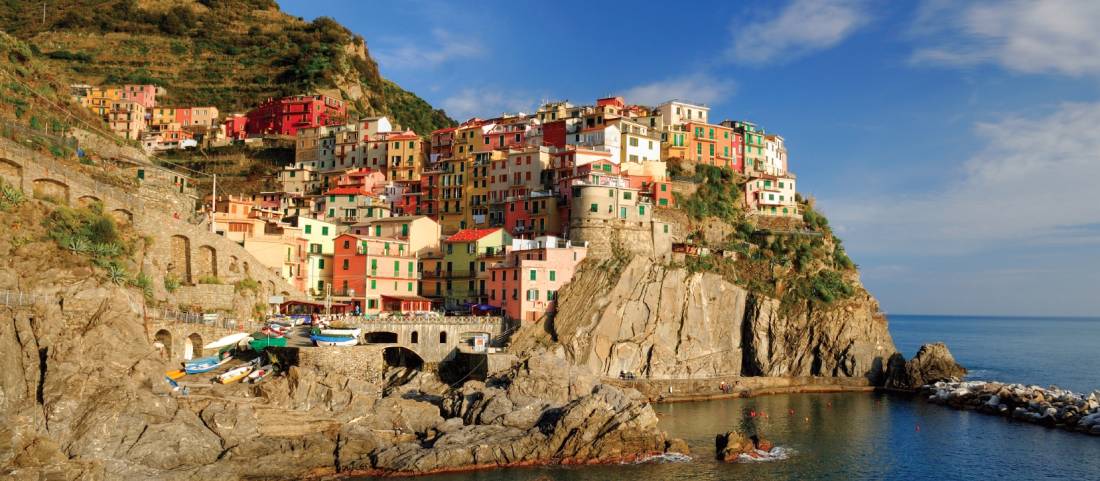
(553, 276)
(533, 274)
(309, 229)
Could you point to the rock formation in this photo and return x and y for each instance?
(83, 396)
(1050, 407)
(663, 322)
(731, 446)
(933, 363)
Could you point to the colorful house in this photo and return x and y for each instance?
(286, 115)
(525, 284)
(466, 255)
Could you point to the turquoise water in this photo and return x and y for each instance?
(860, 436)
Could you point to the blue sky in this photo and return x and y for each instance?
(953, 144)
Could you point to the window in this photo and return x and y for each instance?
(443, 337)
(320, 263)
(373, 284)
(396, 267)
(622, 212)
(666, 228)
(627, 195)
(410, 287)
(553, 275)
(372, 303)
(594, 208)
(532, 294)
(347, 244)
(534, 275)
(321, 285)
(664, 187)
(346, 264)
(551, 295)
(663, 202)
(641, 210)
(414, 338)
(611, 192)
(309, 229)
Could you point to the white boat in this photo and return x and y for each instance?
(260, 373)
(235, 374)
(341, 332)
(226, 341)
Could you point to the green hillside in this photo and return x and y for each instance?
(231, 54)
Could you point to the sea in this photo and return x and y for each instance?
(875, 436)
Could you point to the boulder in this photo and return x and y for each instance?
(730, 446)
(932, 363)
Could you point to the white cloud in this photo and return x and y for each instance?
(1032, 36)
(802, 27)
(486, 102)
(1033, 184)
(444, 46)
(700, 88)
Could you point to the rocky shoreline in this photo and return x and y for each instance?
(1050, 407)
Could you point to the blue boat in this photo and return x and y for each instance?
(201, 368)
(322, 340)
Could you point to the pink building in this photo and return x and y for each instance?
(525, 284)
(146, 95)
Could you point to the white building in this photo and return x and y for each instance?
(675, 112)
(638, 144)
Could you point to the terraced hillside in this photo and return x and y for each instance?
(228, 53)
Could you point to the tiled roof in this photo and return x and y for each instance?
(471, 235)
(346, 191)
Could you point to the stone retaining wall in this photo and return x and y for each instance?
(179, 248)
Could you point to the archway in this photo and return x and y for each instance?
(12, 173)
(208, 262)
(381, 337)
(402, 357)
(180, 266)
(51, 188)
(123, 216)
(192, 347)
(87, 200)
(163, 342)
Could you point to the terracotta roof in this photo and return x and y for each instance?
(346, 191)
(470, 235)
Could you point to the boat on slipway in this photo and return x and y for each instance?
(227, 341)
(235, 374)
(326, 341)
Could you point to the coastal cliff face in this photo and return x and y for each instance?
(658, 321)
(83, 396)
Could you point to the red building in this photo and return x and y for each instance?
(349, 270)
(286, 115)
(553, 133)
(234, 126)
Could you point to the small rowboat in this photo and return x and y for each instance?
(226, 341)
(175, 374)
(235, 374)
(261, 343)
(340, 332)
(260, 373)
(206, 367)
(274, 331)
(322, 340)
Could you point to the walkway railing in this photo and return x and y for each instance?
(19, 298)
(187, 317)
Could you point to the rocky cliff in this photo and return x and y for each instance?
(661, 321)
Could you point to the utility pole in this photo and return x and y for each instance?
(328, 299)
(213, 204)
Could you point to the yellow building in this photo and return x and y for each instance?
(405, 152)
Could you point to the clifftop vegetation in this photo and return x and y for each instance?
(799, 260)
(230, 54)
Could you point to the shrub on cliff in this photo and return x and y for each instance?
(716, 196)
(828, 286)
